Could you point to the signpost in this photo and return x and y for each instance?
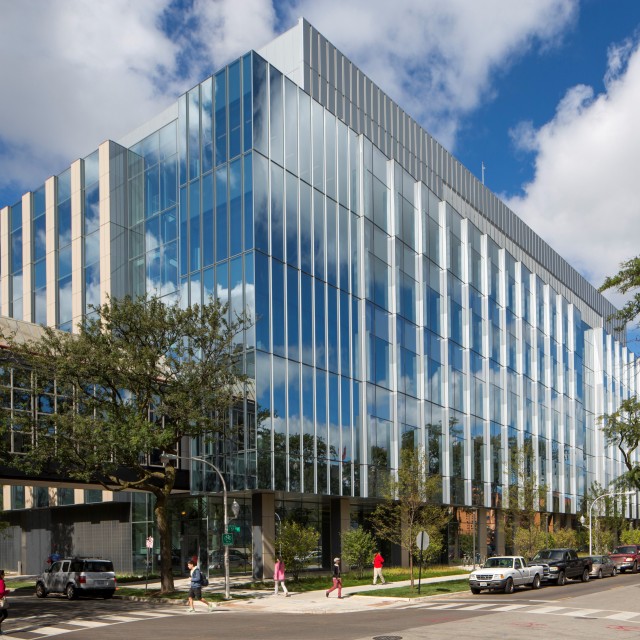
(227, 539)
(422, 542)
(149, 544)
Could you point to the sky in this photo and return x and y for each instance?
(544, 93)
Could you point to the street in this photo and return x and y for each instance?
(608, 608)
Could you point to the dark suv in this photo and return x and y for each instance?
(78, 576)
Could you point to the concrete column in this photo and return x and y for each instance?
(340, 521)
(481, 529)
(499, 533)
(263, 532)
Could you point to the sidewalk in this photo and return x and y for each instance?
(308, 601)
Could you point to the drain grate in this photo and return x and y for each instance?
(387, 638)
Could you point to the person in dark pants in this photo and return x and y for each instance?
(195, 591)
(337, 580)
(4, 613)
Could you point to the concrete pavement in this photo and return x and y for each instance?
(303, 602)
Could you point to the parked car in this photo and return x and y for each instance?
(563, 564)
(626, 557)
(236, 559)
(78, 576)
(602, 566)
(504, 573)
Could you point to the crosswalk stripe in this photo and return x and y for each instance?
(510, 607)
(114, 618)
(546, 609)
(581, 613)
(474, 607)
(623, 615)
(50, 631)
(89, 624)
(453, 605)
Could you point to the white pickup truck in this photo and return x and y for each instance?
(504, 573)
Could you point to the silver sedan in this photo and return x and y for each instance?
(603, 566)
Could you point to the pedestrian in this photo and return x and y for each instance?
(278, 577)
(337, 580)
(378, 561)
(4, 613)
(195, 591)
(54, 556)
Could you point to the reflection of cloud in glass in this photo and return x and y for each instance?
(65, 302)
(92, 248)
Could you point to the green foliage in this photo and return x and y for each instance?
(358, 548)
(296, 543)
(138, 378)
(563, 539)
(630, 536)
(411, 504)
(525, 501)
(528, 541)
(625, 281)
(622, 430)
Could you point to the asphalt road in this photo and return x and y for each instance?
(608, 608)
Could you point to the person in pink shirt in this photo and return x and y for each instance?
(4, 613)
(278, 577)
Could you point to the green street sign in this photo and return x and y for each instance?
(227, 539)
(233, 528)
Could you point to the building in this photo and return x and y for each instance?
(398, 303)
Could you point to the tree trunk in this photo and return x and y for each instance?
(163, 522)
(411, 566)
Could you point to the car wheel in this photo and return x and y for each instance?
(70, 592)
(508, 587)
(561, 579)
(599, 574)
(475, 591)
(41, 592)
(585, 576)
(536, 582)
(634, 569)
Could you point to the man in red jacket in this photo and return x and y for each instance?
(378, 561)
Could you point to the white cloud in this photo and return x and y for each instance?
(583, 199)
(77, 72)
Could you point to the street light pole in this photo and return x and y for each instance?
(604, 495)
(165, 458)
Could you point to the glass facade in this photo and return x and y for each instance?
(389, 312)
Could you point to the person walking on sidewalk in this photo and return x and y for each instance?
(195, 591)
(337, 580)
(278, 577)
(378, 561)
(4, 613)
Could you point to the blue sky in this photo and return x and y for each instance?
(544, 92)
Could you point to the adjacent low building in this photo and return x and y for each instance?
(398, 303)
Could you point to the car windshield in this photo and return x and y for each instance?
(549, 554)
(624, 550)
(502, 563)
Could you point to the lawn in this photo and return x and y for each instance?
(432, 589)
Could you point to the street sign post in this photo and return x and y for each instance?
(422, 542)
(227, 539)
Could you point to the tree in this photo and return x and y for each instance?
(622, 429)
(630, 536)
(625, 281)
(297, 543)
(410, 506)
(525, 498)
(358, 548)
(563, 539)
(138, 378)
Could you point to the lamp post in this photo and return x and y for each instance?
(275, 513)
(165, 458)
(604, 495)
